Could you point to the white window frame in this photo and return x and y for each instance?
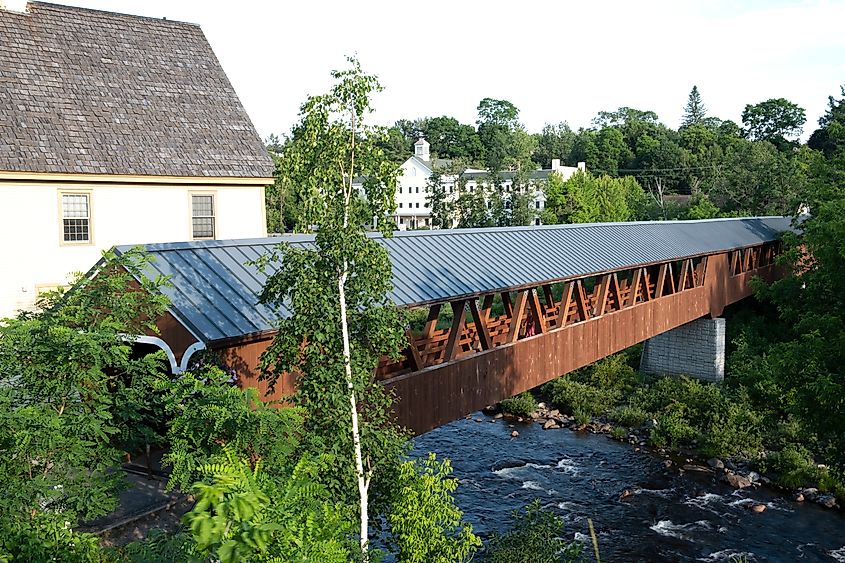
(213, 215)
(90, 240)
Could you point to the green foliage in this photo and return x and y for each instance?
(611, 373)
(72, 396)
(773, 120)
(688, 410)
(46, 536)
(439, 204)
(629, 416)
(158, 546)
(506, 144)
(240, 514)
(694, 112)
(580, 399)
(793, 465)
(535, 537)
(585, 198)
(520, 405)
(758, 179)
(211, 416)
(309, 344)
(700, 207)
(471, 209)
(425, 524)
(553, 142)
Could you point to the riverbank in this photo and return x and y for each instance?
(737, 473)
(708, 428)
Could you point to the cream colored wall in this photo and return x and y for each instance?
(32, 254)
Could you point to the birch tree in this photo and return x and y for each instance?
(341, 322)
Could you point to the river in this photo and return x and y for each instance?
(670, 517)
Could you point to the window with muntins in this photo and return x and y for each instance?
(202, 216)
(76, 218)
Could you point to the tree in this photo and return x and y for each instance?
(775, 120)
(498, 112)
(341, 322)
(471, 208)
(828, 137)
(694, 112)
(346, 278)
(451, 139)
(553, 142)
(613, 153)
(522, 209)
(72, 399)
(505, 143)
(426, 526)
(585, 198)
(624, 116)
(396, 146)
(757, 179)
(438, 202)
(535, 537)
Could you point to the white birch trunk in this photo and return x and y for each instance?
(363, 480)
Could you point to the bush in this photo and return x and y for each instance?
(629, 416)
(687, 410)
(611, 373)
(735, 429)
(619, 433)
(580, 399)
(425, 524)
(521, 405)
(793, 465)
(535, 537)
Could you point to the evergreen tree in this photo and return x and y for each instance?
(695, 112)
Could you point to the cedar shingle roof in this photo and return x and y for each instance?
(84, 91)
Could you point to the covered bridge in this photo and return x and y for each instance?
(528, 303)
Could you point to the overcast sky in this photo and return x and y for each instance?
(556, 61)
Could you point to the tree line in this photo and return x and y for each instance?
(718, 167)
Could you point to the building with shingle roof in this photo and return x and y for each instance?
(115, 129)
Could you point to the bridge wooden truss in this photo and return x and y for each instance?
(543, 331)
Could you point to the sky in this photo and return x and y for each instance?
(556, 60)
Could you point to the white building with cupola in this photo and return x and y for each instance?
(412, 210)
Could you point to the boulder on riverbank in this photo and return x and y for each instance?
(736, 481)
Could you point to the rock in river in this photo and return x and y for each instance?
(736, 481)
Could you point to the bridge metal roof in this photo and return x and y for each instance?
(215, 292)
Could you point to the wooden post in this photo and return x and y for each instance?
(635, 287)
(480, 325)
(699, 272)
(412, 353)
(431, 321)
(507, 303)
(516, 318)
(565, 303)
(601, 295)
(457, 330)
(581, 302)
(537, 311)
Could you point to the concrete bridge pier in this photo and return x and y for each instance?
(696, 349)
